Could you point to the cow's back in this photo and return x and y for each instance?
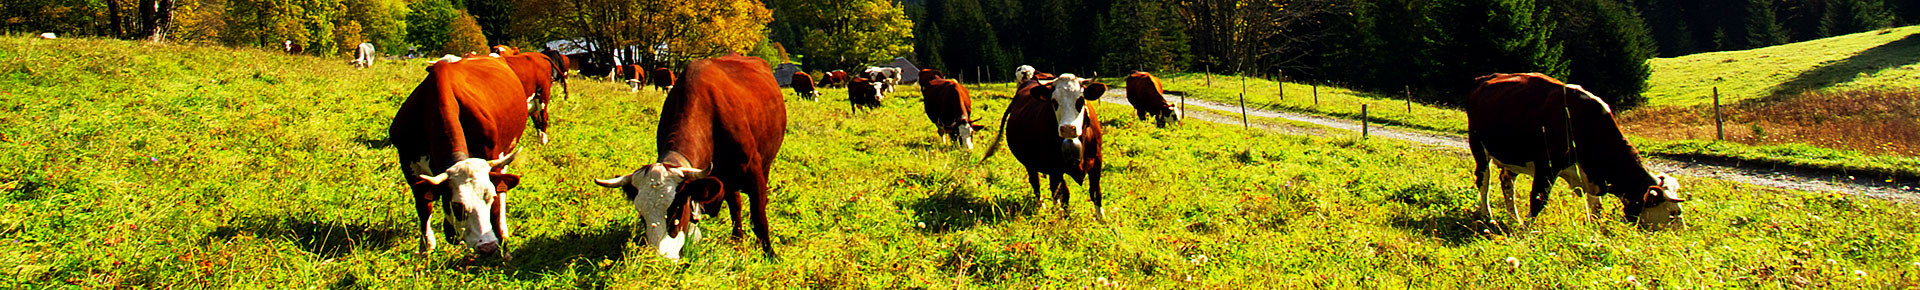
(945, 101)
(1144, 91)
(474, 107)
(1514, 114)
(741, 100)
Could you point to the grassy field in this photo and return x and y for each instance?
(133, 165)
(1873, 60)
(1332, 101)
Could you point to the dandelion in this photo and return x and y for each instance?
(1858, 274)
(1515, 262)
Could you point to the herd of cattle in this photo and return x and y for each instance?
(724, 119)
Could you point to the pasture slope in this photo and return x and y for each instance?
(1883, 59)
(133, 165)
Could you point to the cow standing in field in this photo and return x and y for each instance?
(1052, 131)
(803, 86)
(1148, 99)
(887, 77)
(949, 106)
(863, 92)
(1535, 125)
(363, 58)
(455, 136)
(835, 78)
(292, 48)
(634, 76)
(537, 73)
(718, 135)
(561, 64)
(663, 79)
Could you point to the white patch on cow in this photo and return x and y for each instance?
(1667, 212)
(1071, 113)
(654, 188)
(1574, 178)
(471, 187)
(965, 134)
(48, 35)
(449, 59)
(1023, 73)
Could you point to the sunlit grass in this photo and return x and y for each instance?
(1879, 59)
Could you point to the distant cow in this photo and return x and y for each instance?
(1051, 130)
(364, 57)
(292, 48)
(537, 73)
(1147, 96)
(803, 86)
(454, 136)
(886, 76)
(1536, 125)
(1023, 73)
(663, 79)
(863, 92)
(633, 75)
(949, 106)
(835, 78)
(562, 64)
(718, 135)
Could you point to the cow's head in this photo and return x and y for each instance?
(1659, 207)
(1070, 95)
(473, 193)
(928, 75)
(656, 194)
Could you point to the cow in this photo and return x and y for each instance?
(503, 50)
(833, 78)
(631, 74)
(1147, 96)
(863, 92)
(1536, 125)
(292, 48)
(663, 78)
(561, 64)
(454, 136)
(803, 86)
(537, 73)
(949, 106)
(718, 135)
(1053, 131)
(1023, 73)
(364, 57)
(886, 76)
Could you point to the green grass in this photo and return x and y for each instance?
(142, 166)
(1880, 59)
(1792, 154)
(1332, 101)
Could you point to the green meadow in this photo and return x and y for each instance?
(131, 165)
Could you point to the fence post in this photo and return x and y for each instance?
(1209, 75)
(1280, 84)
(1363, 121)
(1316, 95)
(1719, 124)
(1409, 90)
(1243, 103)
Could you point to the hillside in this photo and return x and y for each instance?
(1880, 59)
(131, 165)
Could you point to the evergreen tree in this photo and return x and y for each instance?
(495, 18)
(1151, 39)
(1607, 48)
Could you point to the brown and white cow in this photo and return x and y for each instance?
(1050, 128)
(719, 134)
(949, 106)
(887, 77)
(1148, 98)
(864, 92)
(1023, 73)
(455, 136)
(803, 86)
(561, 65)
(634, 76)
(363, 55)
(537, 73)
(663, 79)
(833, 78)
(1535, 125)
(503, 50)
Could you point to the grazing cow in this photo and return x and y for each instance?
(1147, 96)
(663, 78)
(863, 92)
(1535, 125)
(505, 50)
(631, 74)
(292, 48)
(537, 73)
(949, 106)
(719, 135)
(1023, 73)
(803, 86)
(364, 57)
(561, 64)
(1054, 132)
(833, 78)
(886, 76)
(454, 136)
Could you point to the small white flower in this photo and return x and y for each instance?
(1515, 262)
(922, 224)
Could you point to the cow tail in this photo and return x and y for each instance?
(997, 136)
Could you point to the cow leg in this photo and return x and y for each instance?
(760, 228)
(1480, 181)
(424, 207)
(1506, 186)
(1542, 187)
(1060, 194)
(733, 209)
(1141, 114)
(1093, 193)
(1033, 180)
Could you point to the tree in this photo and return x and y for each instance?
(659, 32)
(1153, 39)
(1607, 48)
(427, 23)
(1234, 34)
(494, 17)
(848, 33)
(382, 22)
(465, 35)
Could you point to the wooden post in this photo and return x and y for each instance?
(1209, 76)
(1719, 124)
(1409, 90)
(1363, 121)
(1316, 95)
(1280, 85)
(1243, 103)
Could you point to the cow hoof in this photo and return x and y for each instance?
(543, 137)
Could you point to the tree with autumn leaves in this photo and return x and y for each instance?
(656, 32)
(842, 34)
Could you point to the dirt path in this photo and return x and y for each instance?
(1787, 178)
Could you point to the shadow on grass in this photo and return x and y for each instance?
(324, 238)
(1436, 212)
(1890, 55)
(575, 251)
(956, 211)
(374, 142)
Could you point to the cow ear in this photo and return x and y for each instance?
(503, 182)
(1093, 91)
(704, 190)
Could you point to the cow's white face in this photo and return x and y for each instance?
(652, 189)
(879, 89)
(1023, 73)
(471, 191)
(1665, 211)
(1071, 110)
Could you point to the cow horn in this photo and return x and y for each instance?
(691, 173)
(435, 179)
(616, 182)
(504, 160)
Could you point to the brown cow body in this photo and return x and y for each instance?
(833, 78)
(663, 79)
(719, 134)
(465, 112)
(949, 106)
(864, 93)
(634, 76)
(1147, 95)
(1035, 136)
(803, 86)
(561, 65)
(1535, 125)
(537, 74)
